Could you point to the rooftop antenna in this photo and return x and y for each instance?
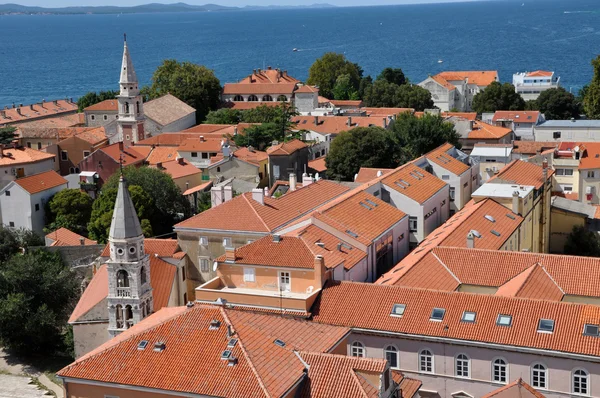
(121, 161)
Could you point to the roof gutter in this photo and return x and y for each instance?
(67, 380)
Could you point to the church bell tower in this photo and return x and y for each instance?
(129, 289)
(130, 123)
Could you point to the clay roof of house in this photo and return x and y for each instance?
(281, 183)
(344, 251)
(264, 88)
(542, 73)
(176, 139)
(263, 368)
(93, 136)
(480, 78)
(335, 124)
(307, 89)
(361, 216)
(268, 76)
(413, 182)
(59, 133)
(35, 111)
(372, 111)
(516, 389)
(367, 174)
(162, 154)
(441, 157)
(253, 156)
(459, 115)
(41, 181)
(318, 164)
(590, 158)
(484, 131)
(65, 237)
(522, 173)
(353, 103)
(209, 128)
(517, 116)
(535, 283)
(408, 386)
(167, 109)
(180, 168)
(130, 155)
(286, 148)
(340, 376)
(532, 147)
(567, 195)
(443, 82)
(109, 105)
(22, 155)
(206, 144)
(344, 304)
(94, 293)
(62, 121)
(242, 106)
(202, 187)
(242, 213)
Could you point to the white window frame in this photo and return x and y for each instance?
(200, 259)
(280, 274)
(431, 361)
(390, 348)
(505, 365)
(249, 274)
(203, 241)
(357, 349)
(567, 172)
(464, 362)
(412, 220)
(227, 240)
(587, 381)
(545, 375)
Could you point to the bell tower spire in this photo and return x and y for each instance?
(131, 112)
(129, 289)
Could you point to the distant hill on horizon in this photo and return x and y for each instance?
(146, 8)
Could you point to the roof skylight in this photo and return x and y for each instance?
(280, 343)
(504, 320)
(398, 309)
(226, 354)
(437, 314)
(546, 326)
(142, 345)
(590, 330)
(490, 218)
(495, 232)
(468, 316)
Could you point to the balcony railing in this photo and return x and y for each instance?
(123, 292)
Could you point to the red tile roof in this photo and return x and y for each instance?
(517, 116)
(252, 156)
(258, 89)
(480, 78)
(413, 182)
(352, 103)
(201, 145)
(590, 159)
(542, 73)
(242, 213)
(180, 168)
(350, 255)
(381, 112)
(408, 387)
(109, 105)
(35, 111)
(534, 283)
(441, 157)
(523, 173)
(56, 122)
(460, 115)
(307, 89)
(335, 124)
(517, 388)
(269, 75)
(367, 174)
(207, 129)
(41, 182)
(532, 147)
(263, 369)
(93, 136)
(484, 131)
(318, 164)
(176, 139)
(162, 154)
(131, 155)
(203, 187)
(167, 109)
(65, 237)
(22, 155)
(94, 293)
(286, 148)
(344, 304)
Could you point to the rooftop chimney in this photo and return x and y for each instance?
(320, 271)
(385, 122)
(216, 196)
(230, 254)
(82, 241)
(180, 161)
(339, 246)
(316, 120)
(515, 202)
(276, 238)
(470, 240)
(19, 111)
(349, 123)
(201, 138)
(55, 102)
(306, 180)
(545, 164)
(228, 193)
(268, 67)
(31, 107)
(3, 114)
(258, 195)
(293, 181)
(159, 165)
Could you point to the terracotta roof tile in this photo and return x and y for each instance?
(460, 115)
(353, 103)
(517, 388)
(208, 129)
(94, 293)
(350, 255)
(109, 105)
(517, 116)
(318, 164)
(252, 156)
(167, 109)
(23, 155)
(443, 82)
(480, 78)
(307, 89)
(93, 136)
(162, 154)
(288, 252)
(408, 386)
(65, 237)
(522, 173)
(367, 174)
(413, 182)
(381, 112)
(590, 158)
(267, 76)
(180, 168)
(532, 147)
(484, 131)
(344, 304)
(335, 124)
(534, 283)
(176, 139)
(131, 155)
(56, 122)
(264, 88)
(41, 182)
(245, 214)
(441, 157)
(286, 148)
(542, 73)
(35, 111)
(206, 144)
(202, 187)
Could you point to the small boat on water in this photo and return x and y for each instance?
(440, 61)
(295, 49)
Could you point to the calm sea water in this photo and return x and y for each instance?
(67, 56)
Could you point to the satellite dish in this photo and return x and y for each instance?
(215, 265)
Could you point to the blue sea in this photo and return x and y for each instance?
(47, 57)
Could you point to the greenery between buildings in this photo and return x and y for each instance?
(582, 242)
(92, 98)
(498, 97)
(556, 104)
(70, 209)
(591, 93)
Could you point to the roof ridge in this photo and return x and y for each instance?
(446, 267)
(256, 212)
(551, 278)
(246, 354)
(354, 377)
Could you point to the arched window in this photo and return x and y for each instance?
(119, 316)
(391, 354)
(581, 382)
(148, 307)
(267, 98)
(143, 308)
(71, 170)
(137, 106)
(238, 98)
(358, 349)
(499, 370)
(462, 365)
(539, 376)
(126, 107)
(253, 98)
(77, 170)
(143, 275)
(426, 361)
(122, 278)
(282, 98)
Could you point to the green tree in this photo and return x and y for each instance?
(532, 105)
(558, 104)
(385, 94)
(69, 208)
(343, 89)
(356, 148)
(581, 242)
(224, 116)
(413, 96)
(364, 85)
(415, 136)
(196, 85)
(103, 207)
(591, 102)
(92, 98)
(7, 135)
(381, 94)
(393, 75)
(167, 200)
(203, 203)
(498, 97)
(37, 293)
(13, 240)
(325, 71)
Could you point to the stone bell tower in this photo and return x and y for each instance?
(129, 289)
(130, 123)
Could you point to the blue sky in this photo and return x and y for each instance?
(66, 3)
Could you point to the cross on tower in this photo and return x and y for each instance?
(125, 37)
